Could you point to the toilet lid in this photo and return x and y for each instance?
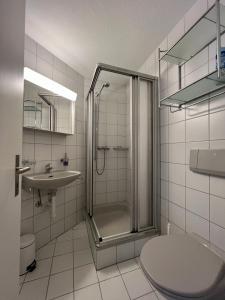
(26, 240)
(180, 265)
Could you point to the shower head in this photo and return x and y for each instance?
(105, 85)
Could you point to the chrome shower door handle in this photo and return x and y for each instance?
(18, 171)
(21, 170)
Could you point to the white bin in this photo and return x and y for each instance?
(27, 253)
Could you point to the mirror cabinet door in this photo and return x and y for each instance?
(43, 110)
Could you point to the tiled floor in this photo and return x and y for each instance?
(65, 271)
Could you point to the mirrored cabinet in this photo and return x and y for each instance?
(44, 110)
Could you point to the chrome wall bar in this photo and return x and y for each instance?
(180, 107)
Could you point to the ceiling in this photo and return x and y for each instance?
(118, 32)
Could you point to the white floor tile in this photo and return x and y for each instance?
(136, 284)
(82, 258)
(65, 297)
(108, 272)
(85, 276)
(91, 292)
(162, 297)
(60, 284)
(45, 252)
(127, 266)
(34, 290)
(62, 263)
(63, 247)
(81, 244)
(150, 296)
(42, 270)
(114, 289)
(67, 236)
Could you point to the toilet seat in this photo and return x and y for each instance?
(183, 268)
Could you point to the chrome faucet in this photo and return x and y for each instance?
(48, 168)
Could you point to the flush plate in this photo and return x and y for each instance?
(208, 161)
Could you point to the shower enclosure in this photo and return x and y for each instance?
(122, 154)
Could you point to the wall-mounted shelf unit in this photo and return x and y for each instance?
(205, 31)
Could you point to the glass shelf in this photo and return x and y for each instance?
(200, 35)
(208, 84)
(31, 108)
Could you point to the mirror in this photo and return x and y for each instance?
(46, 111)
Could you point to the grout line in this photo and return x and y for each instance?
(73, 267)
(100, 290)
(50, 273)
(39, 278)
(126, 287)
(189, 188)
(22, 283)
(55, 298)
(139, 297)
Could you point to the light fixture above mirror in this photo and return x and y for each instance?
(49, 84)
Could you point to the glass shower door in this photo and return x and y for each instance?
(111, 155)
(122, 153)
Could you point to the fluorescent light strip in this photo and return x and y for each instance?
(49, 84)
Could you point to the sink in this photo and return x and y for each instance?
(50, 181)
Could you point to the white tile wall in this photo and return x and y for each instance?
(43, 147)
(111, 186)
(191, 202)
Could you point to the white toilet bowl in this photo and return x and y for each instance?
(181, 267)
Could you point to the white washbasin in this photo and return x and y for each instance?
(50, 181)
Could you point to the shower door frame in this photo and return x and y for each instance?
(90, 142)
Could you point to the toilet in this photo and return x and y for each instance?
(182, 267)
